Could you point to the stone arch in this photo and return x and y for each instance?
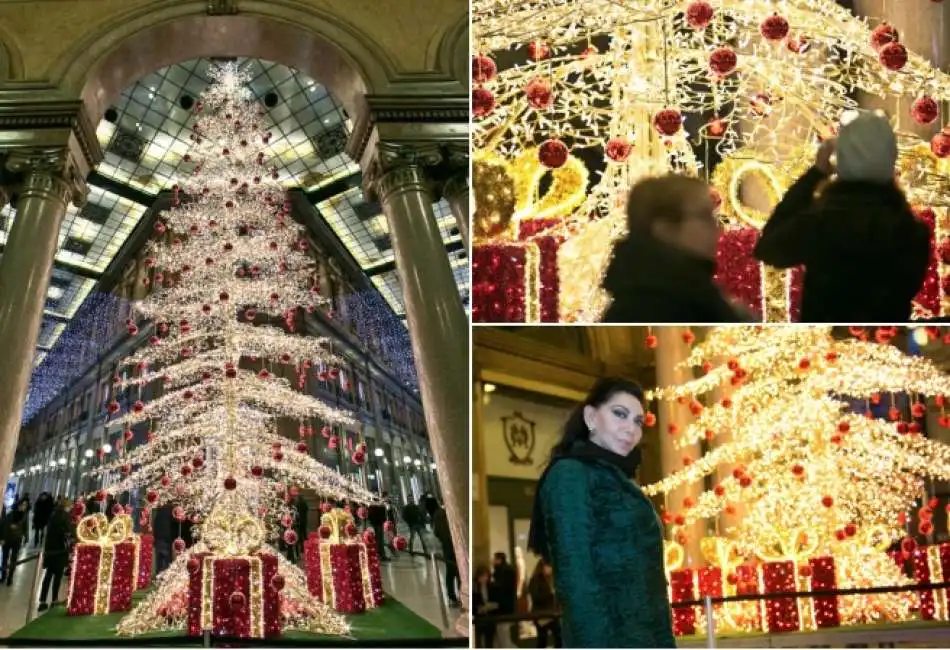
(11, 62)
(454, 50)
(135, 44)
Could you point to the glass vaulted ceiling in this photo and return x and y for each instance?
(144, 137)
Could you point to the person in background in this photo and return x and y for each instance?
(415, 518)
(110, 504)
(483, 604)
(300, 523)
(543, 599)
(442, 532)
(504, 592)
(162, 530)
(14, 529)
(377, 518)
(601, 534)
(42, 512)
(864, 250)
(25, 505)
(55, 553)
(432, 507)
(662, 272)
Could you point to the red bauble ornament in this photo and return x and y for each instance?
(400, 543)
(618, 149)
(185, 470)
(940, 144)
(651, 341)
(933, 502)
(257, 471)
(278, 456)
(925, 110)
(918, 410)
(882, 35)
(325, 507)
(369, 537)
(388, 526)
(302, 448)
(798, 469)
(126, 469)
(230, 483)
(179, 545)
(325, 532)
(223, 296)
(165, 481)
(128, 435)
(553, 153)
(715, 128)
(483, 69)
(538, 50)
(805, 570)
(723, 61)
(774, 28)
(193, 565)
(79, 508)
(139, 406)
(893, 56)
(699, 14)
(278, 582)
(358, 457)
(850, 530)
(844, 427)
(333, 442)
(668, 122)
(290, 537)
(483, 102)
(350, 530)
(649, 419)
(237, 601)
(539, 93)
(827, 501)
(925, 527)
(902, 427)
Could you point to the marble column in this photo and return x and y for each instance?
(438, 329)
(50, 182)
(456, 192)
(670, 351)
(481, 521)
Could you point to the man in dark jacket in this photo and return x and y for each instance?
(414, 517)
(377, 519)
(14, 529)
(42, 512)
(662, 272)
(865, 253)
(440, 527)
(55, 554)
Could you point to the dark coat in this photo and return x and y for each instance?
(377, 515)
(606, 544)
(14, 527)
(504, 588)
(163, 525)
(56, 544)
(413, 515)
(300, 523)
(443, 533)
(43, 510)
(653, 282)
(543, 598)
(865, 253)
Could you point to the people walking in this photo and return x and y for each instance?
(162, 526)
(544, 599)
(442, 531)
(55, 554)
(14, 527)
(377, 519)
(414, 517)
(504, 589)
(483, 604)
(42, 512)
(864, 251)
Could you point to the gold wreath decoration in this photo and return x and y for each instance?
(97, 529)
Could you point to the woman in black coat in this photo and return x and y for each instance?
(55, 554)
(42, 512)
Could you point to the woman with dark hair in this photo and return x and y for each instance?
(599, 531)
(484, 603)
(544, 599)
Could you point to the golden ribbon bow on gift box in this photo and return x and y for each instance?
(508, 192)
(232, 533)
(721, 552)
(795, 544)
(336, 519)
(673, 555)
(97, 529)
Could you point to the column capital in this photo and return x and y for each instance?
(49, 170)
(456, 185)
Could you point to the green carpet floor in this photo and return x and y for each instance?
(392, 621)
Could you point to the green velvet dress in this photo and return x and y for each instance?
(606, 545)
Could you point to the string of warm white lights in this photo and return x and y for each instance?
(226, 260)
(614, 83)
(814, 477)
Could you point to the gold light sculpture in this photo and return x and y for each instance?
(763, 80)
(814, 477)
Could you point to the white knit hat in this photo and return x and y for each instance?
(866, 149)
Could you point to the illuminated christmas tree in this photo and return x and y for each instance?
(229, 274)
(814, 473)
(575, 100)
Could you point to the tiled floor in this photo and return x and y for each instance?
(410, 579)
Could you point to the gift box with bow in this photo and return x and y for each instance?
(932, 565)
(342, 570)
(104, 567)
(146, 551)
(518, 231)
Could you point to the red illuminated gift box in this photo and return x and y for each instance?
(234, 595)
(516, 282)
(681, 590)
(146, 550)
(740, 274)
(932, 565)
(781, 614)
(104, 562)
(342, 570)
(824, 578)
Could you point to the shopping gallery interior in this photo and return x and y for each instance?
(262, 409)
